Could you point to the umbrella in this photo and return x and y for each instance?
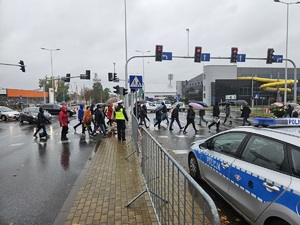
(112, 100)
(202, 103)
(278, 104)
(196, 105)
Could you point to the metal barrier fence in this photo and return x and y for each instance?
(175, 196)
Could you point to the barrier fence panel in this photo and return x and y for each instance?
(175, 196)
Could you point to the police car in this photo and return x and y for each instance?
(255, 169)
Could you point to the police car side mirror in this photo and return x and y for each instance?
(204, 145)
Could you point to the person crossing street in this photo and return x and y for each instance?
(41, 120)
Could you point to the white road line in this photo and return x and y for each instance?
(17, 144)
(163, 136)
(177, 152)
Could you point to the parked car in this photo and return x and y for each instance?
(30, 115)
(54, 109)
(256, 170)
(8, 114)
(151, 106)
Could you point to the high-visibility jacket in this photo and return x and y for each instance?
(119, 114)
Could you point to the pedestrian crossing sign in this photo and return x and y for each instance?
(135, 81)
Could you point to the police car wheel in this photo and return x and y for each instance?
(193, 167)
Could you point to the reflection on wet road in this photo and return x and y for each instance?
(37, 175)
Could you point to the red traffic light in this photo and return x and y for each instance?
(197, 55)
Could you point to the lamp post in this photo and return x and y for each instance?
(188, 41)
(286, 52)
(143, 52)
(51, 50)
(126, 57)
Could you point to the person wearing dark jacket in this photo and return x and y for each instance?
(63, 118)
(80, 116)
(216, 117)
(164, 111)
(288, 111)
(201, 115)
(190, 118)
(158, 114)
(227, 114)
(120, 117)
(41, 120)
(246, 111)
(143, 116)
(175, 116)
(99, 120)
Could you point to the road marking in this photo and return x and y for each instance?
(177, 152)
(17, 144)
(163, 136)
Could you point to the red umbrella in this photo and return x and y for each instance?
(112, 100)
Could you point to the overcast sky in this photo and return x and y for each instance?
(91, 36)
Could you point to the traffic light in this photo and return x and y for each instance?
(125, 91)
(117, 91)
(22, 67)
(68, 76)
(110, 77)
(270, 55)
(88, 74)
(197, 55)
(158, 53)
(116, 79)
(234, 53)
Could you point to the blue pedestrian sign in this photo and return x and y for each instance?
(167, 56)
(256, 96)
(277, 58)
(135, 81)
(205, 57)
(241, 58)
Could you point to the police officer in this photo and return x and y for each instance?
(120, 117)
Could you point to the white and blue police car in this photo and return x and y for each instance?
(256, 169)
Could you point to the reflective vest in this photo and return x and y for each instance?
(120, 115)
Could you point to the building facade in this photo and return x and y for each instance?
(216, 82)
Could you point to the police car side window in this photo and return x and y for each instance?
(264, 152)
(227, 143)
(295, 155)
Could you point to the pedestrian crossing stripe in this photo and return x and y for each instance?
(179, 152)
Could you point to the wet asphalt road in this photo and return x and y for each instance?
(178, 144)
(36, 176)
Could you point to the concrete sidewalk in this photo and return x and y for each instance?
(108, 183)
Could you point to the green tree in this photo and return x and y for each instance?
(97, 92)
(106, 94)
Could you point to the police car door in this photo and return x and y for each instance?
(217, 159)
(257, 179)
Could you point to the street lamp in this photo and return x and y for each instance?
(51, 50)
(188, 42)
(143, 67)
(286, 51)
